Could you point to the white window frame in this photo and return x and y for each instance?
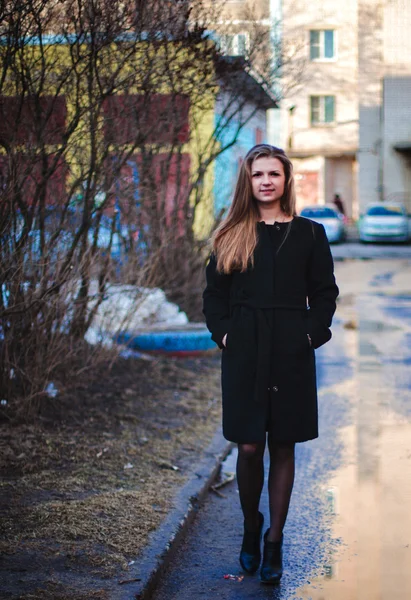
(322, 122)
(235, 43)
(322, 58)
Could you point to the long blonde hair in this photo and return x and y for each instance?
(235, 239)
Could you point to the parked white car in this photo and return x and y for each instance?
(330, 218)
(384, 222)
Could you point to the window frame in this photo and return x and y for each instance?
(321, 109)
(321, 44)
(223, 43)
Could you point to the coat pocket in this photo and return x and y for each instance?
(319, 334)
(291, 333)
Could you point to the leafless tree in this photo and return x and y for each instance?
(105, 162)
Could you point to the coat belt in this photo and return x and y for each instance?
(269, 305)
(265, 332)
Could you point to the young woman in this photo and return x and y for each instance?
(269, 301)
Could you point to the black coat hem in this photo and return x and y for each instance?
(288, 441)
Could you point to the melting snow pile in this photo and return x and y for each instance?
(128, 308)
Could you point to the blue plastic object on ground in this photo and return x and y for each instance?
(176, 342)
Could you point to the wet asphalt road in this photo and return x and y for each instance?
(348, 525)
(356, 250)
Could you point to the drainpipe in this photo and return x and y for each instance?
(290, 127)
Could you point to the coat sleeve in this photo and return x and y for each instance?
(216, 302)
(322, 289)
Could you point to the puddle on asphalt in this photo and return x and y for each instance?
(366, 325)
(382, 279)
(369, 497)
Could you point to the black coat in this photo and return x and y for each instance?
(268, 365)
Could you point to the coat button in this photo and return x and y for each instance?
(275, 388)
(277, 227)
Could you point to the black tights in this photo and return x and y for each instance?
(250, 478)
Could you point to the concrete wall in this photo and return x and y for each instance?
(397, 129)
(370, 73)
(397, 37)
(397, 100)
(384, 55)
(243, 9)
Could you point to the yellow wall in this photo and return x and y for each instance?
(55, 58)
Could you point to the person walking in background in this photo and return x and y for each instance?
(268, 303)
(339, 204)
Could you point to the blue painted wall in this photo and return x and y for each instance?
(227, 163)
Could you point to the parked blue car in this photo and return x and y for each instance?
(384, 222)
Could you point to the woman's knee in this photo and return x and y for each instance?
(251, 451)
(282, 450)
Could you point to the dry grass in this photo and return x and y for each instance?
(83, 493)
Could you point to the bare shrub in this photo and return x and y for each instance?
(107, 135)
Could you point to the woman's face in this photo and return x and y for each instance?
(267, 179)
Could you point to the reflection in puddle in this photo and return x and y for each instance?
(382, 279)
(370, 496)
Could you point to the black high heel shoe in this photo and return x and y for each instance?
(250, 555)
(272, 567)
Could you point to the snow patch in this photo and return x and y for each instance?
(128, 308)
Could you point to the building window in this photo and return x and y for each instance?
(322, 44)
(322, 109)
(234, 44)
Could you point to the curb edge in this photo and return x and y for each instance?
(164, 541)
